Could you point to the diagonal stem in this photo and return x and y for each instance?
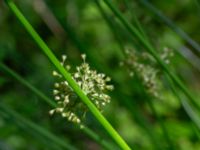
(151, 50)
(49, 101)
(103, 121)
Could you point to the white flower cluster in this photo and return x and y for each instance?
(144, 66)
(93, 84)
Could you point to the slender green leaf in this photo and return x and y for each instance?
(110, 130)
(151, 50)
(37, 128)
(43, 97)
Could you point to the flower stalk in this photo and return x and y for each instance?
(103, 121)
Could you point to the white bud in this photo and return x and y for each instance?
(66, 83)
(110, 87)
(56, 85)
(66, 101)
(64, 57)
(67, 67)
(51, 112)
(76, 75)
(57, 98)
(55, 92)
(56, 74)
(108, 79)
(78, 120)
(83, 56)
(59, 109)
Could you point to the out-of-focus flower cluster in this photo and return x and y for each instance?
(93, 84)
(144, 65)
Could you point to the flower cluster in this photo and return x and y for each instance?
(93, 84)
(144, 66)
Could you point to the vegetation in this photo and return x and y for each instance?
(137, 87)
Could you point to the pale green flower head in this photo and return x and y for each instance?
(93, 84)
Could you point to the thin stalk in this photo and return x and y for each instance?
(189, 110)
(135, 19)
(151, 50)
(110, 25)
(171, 25)
(149, 102)
(24, 82)
(36, 128)
(162, 125)
(43, 97)
(135, 112)
(102, 120)
(198, 6)
(191, 58)
(191, 113)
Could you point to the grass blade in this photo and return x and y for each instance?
(188, 109)
(37, 128)
(43, 97)
(151, 50)
(110, 130)
(170, 23)
(148, 99)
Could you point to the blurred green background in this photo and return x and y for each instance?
(74, 27)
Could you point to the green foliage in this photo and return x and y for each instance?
(156, 108)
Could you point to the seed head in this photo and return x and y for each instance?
(144, 66)
(93, 84)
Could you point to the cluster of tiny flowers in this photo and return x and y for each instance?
(166, 55)
(143, 65)
(93, 84)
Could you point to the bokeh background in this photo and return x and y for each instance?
(74, 27)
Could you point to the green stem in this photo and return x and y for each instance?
(113, 133)
(135, 19)
(24, 82)
(111, 25)
(188, 109)
(36, 128)
(151, 50)
(148, 99)
(86, 130)
(172, 25)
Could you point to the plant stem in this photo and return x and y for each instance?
(36, 128)
(151, 50)
(172, 25)
(113, 133)
(86, 130)
(189, 110)
(24, 82)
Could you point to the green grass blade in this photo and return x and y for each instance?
(191, 58)
(37, 128)
(110, 25)
(162, 125)
(191, 113)
(110, 130)
(151, 50)
(188, 109)
(104, 143)
(149, 103)
(198, 6)
(24, 82)
(43, 97)
(170, 23)
(135, 19)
